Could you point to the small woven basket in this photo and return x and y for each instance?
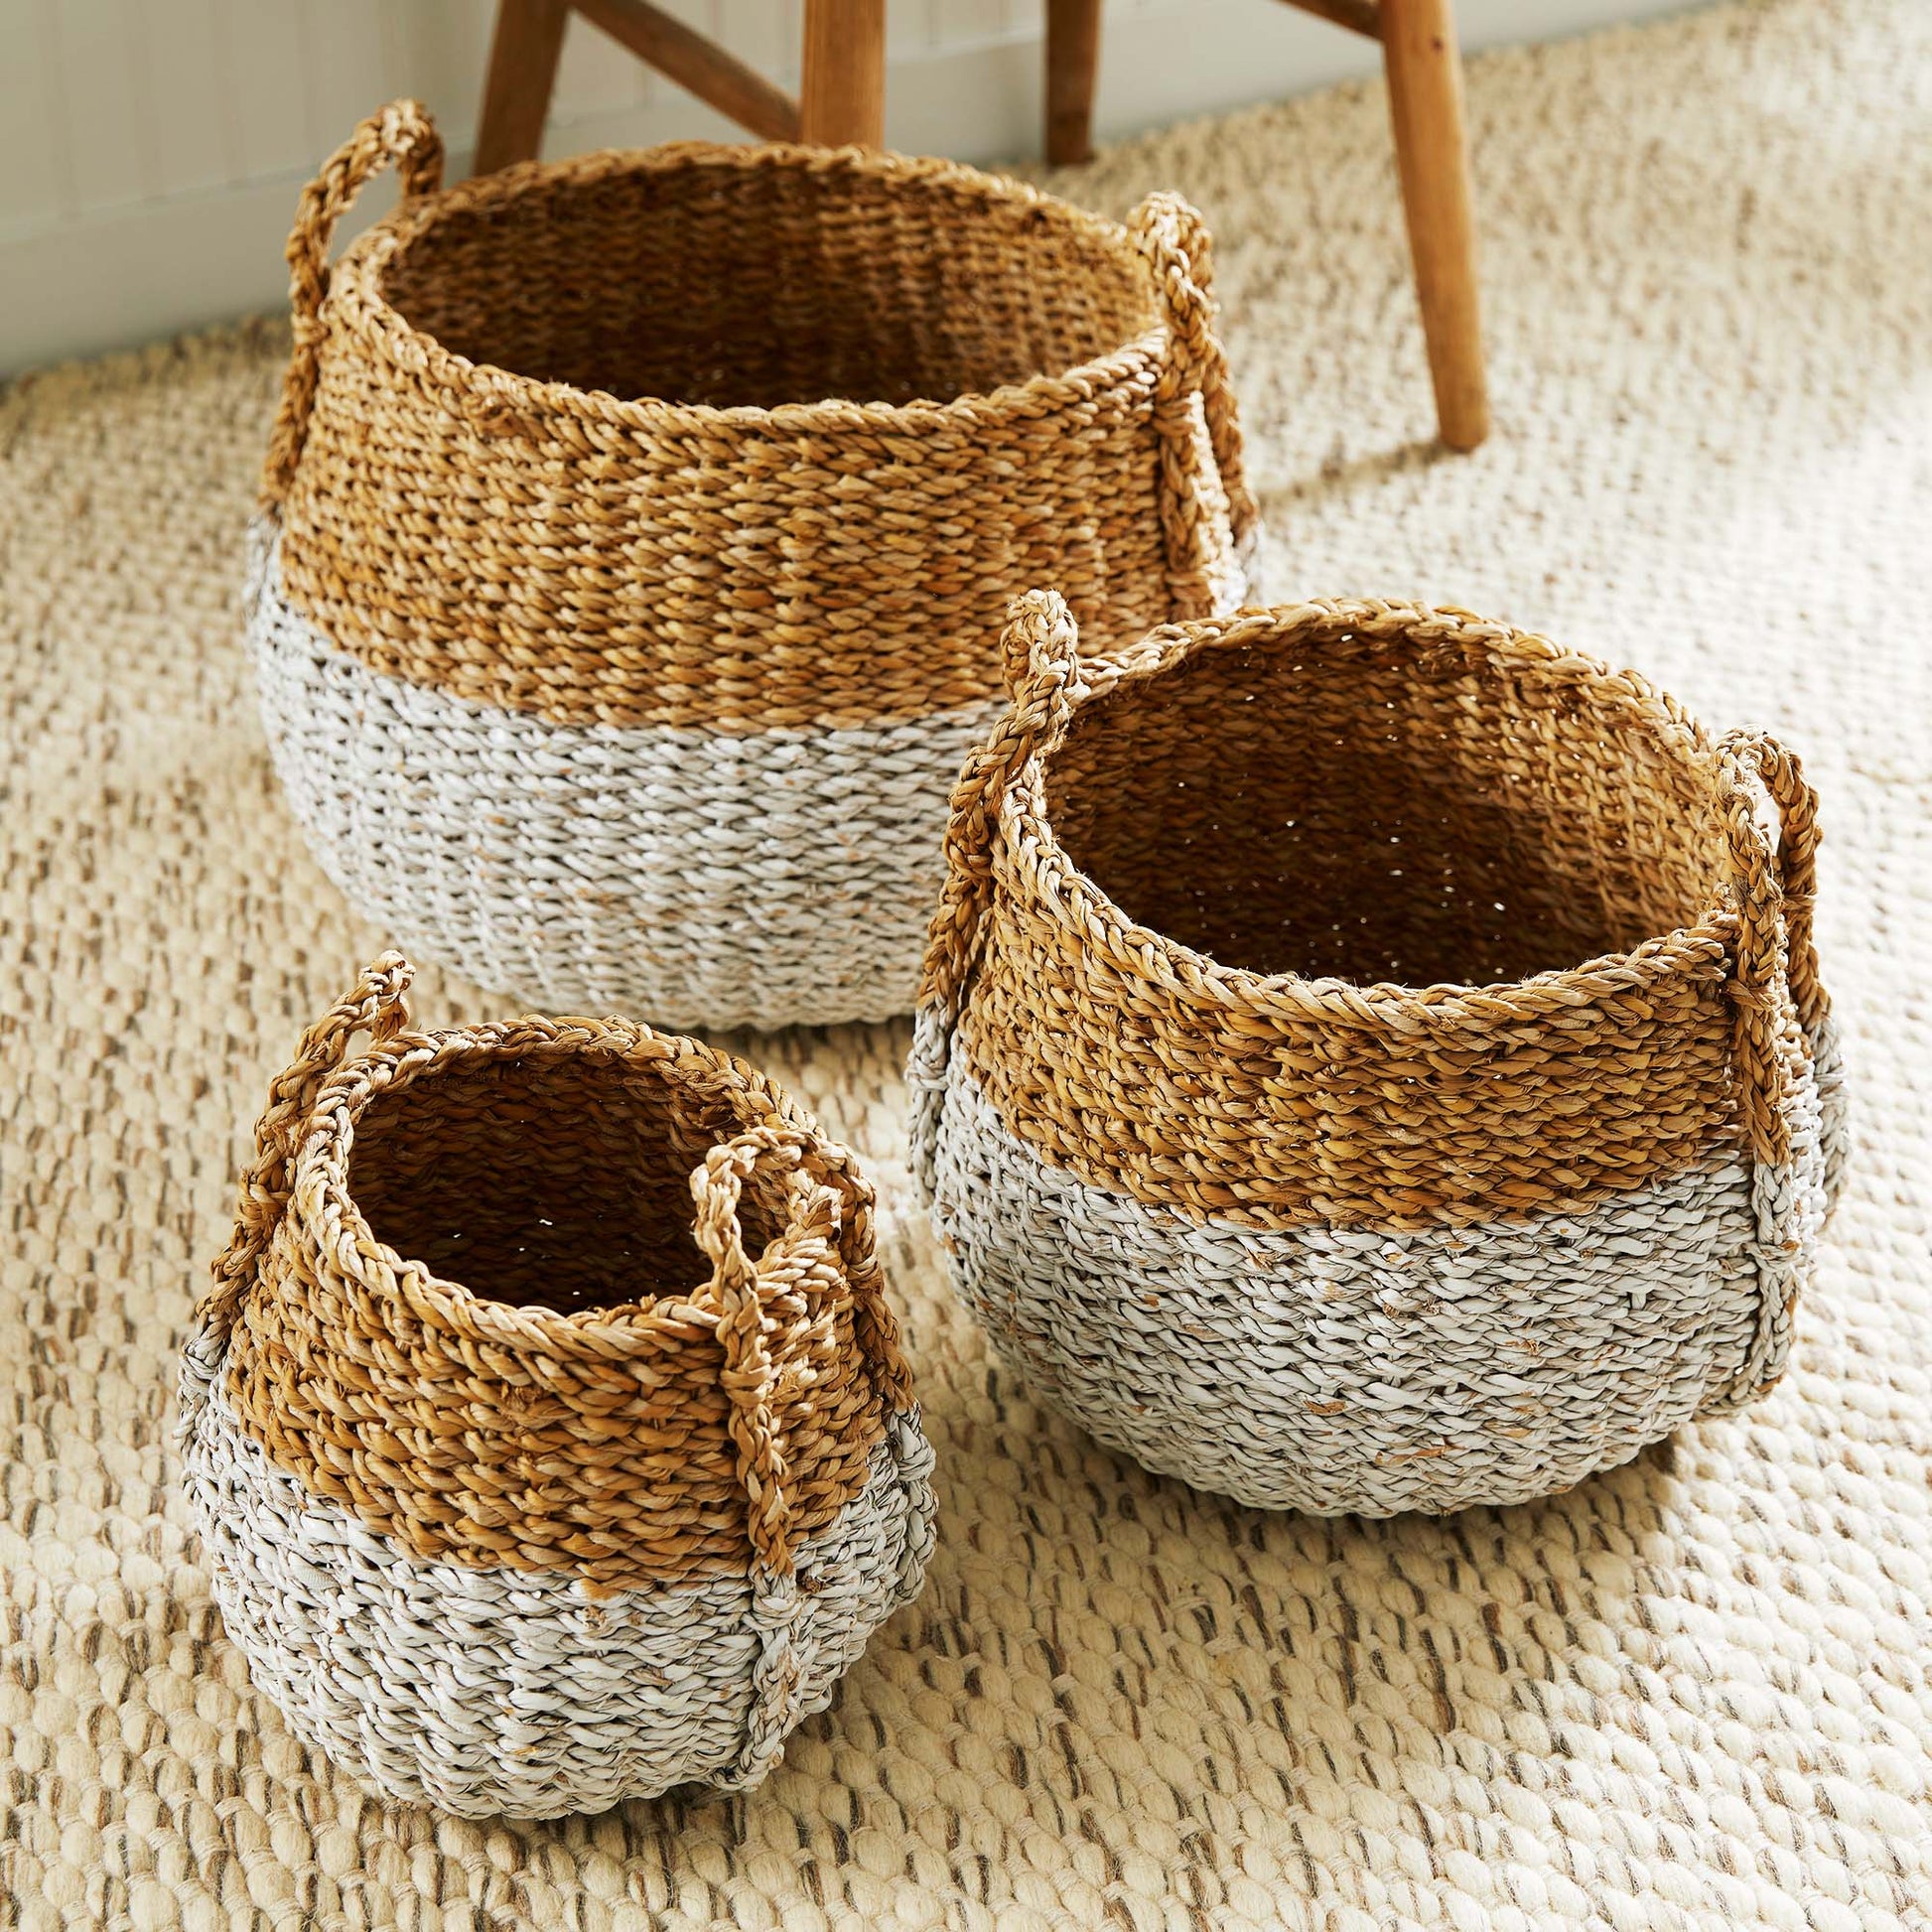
(620, 1509)
(1373, 1060)
(631, 524)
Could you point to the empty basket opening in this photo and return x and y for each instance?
(720, 284)
(562, 1184)
(1342, 808)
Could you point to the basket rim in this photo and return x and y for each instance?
(1142, 953)
(356, 299)
(319, 1192)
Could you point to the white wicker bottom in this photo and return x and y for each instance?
(509, 1692)
(1335, 1370)
(691, 877)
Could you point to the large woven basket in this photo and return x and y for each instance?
(1375, 1060)
(632, 525)
(526, 1488)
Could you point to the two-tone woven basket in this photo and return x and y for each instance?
(1375, 1060)
(632, 526)
(527, 1486)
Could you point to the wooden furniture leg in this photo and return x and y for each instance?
(523, 53)
(842, 85)
(1072, 67)
(1425, 71)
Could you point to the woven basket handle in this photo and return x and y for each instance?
(750, 1370)
(1174, 240)
(1774, 884)
(401, 133)
(1041, 646)
(874, 1323)
(377, 1004)
(779, 1607)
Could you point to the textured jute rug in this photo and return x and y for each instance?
(1692, 1692)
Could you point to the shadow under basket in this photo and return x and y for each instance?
(546, 1427)
(632, 524)
(1375, 1060)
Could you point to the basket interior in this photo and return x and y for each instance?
(561, 1184)
(1353, 810)
(721, 284)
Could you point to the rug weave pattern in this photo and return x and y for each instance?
(1694, 1692)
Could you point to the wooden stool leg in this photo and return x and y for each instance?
(523, 54)
(1072, 63)
(1425, 73)
(842, 91)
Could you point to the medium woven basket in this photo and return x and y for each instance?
(525, 1487)
(1373, 1060)
(632, 528)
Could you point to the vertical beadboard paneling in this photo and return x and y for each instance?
(96, 94)
(597, 76)
(443, 47)
(966, 23)
(32, 192)
(1027, 18)
(271, 128)
(185, 78)
(764, 34)
(344, 71)
(909, 31)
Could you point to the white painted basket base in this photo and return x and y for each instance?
(689, 878)
(1333, 1370)
(509, 1692)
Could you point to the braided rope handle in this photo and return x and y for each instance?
(875, 1327)
(1040, 649)
(1172, 239)
(778, 1609)
(401, 134)
(376, 1005)
(1775, 887)
(750, 1372)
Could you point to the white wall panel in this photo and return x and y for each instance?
(103, 113)
(344, 66)
(32, 183)
(187, 96)
(595, 77)
(151, 150)
(267, 98)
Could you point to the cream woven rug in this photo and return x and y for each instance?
(1692, 1692)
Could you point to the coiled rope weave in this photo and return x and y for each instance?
(576, 1531)
(1269, 1122)
(633, 523)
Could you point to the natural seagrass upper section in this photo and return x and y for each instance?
(560, 1183)
(734, 282)
(746, 438)
(1371, 915)
(1332, 802)
(491, 1324)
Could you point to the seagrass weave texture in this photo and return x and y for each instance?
(463, 1350)
(1372, 1058)
(630, 524)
